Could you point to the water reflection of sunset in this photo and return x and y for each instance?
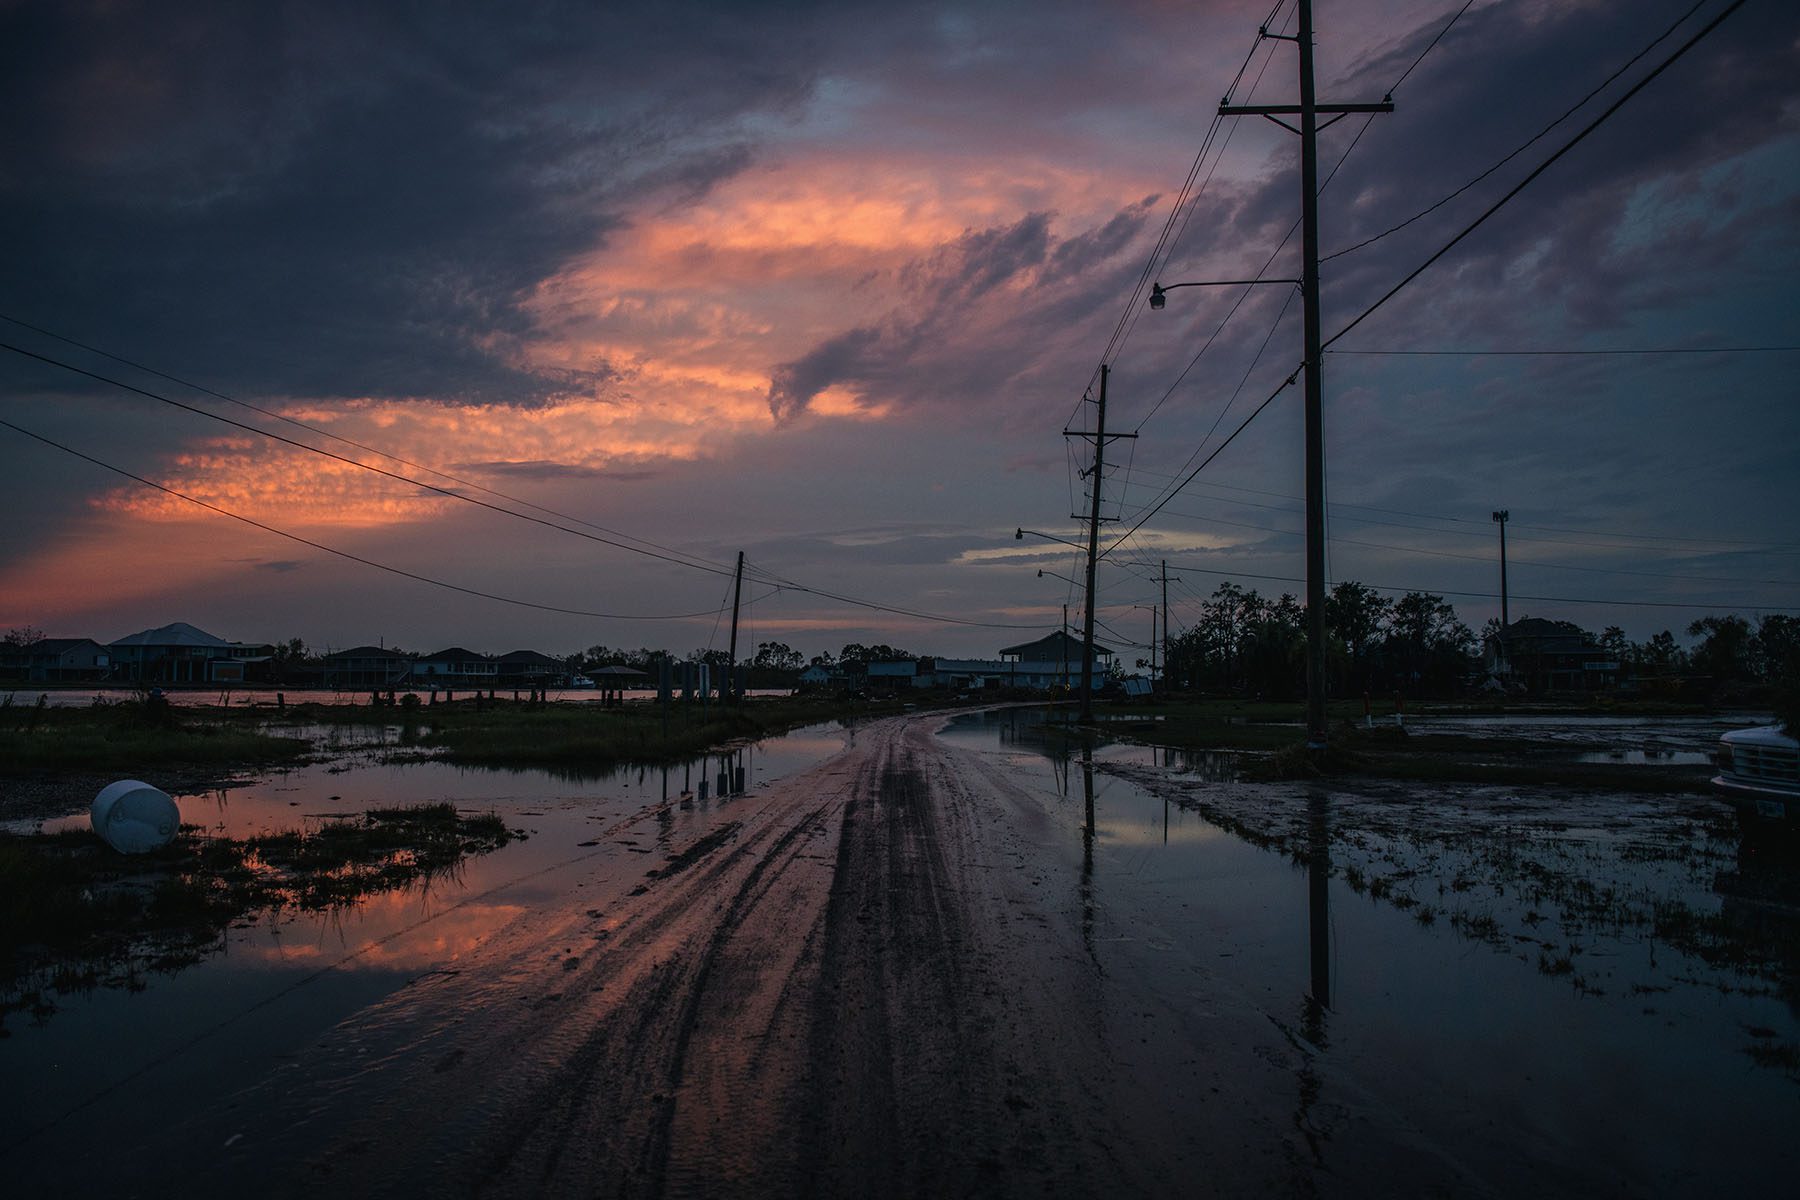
(403, 930)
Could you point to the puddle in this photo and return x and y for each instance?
(273, 983)
(1514, 985)
(1647, 758)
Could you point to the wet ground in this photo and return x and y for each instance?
(980, 962)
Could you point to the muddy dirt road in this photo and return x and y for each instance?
(886, 976)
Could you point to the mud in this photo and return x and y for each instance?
(963, 964)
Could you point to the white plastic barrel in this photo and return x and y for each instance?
(134, 817)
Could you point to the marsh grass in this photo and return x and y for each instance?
(74, 915)
(133, 736)
(1387, 751)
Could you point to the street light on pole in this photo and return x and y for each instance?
(1501, 516)
(1019, 536)
(1159, 292)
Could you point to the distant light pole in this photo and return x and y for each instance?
(1064, 631)
(1500, 518)
(1087, 657)
(1151, 609)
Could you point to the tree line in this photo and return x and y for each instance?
(1416, 645)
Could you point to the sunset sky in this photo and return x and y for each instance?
(826, 283)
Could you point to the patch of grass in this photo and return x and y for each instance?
(76, 915)
(1781, 1056)
(131, 736)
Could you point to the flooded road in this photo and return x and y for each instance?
(979, 961)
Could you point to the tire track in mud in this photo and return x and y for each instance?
(486, 1085)
(870, 983)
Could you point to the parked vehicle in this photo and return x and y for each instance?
(1759, 772)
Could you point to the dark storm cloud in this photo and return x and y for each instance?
(1579, 238)
(351, 200)
(972, 308)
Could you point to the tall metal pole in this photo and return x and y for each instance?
(1315, 408)
(1165, 606)
(1087, 639)
(1500, 518)
(737, 593)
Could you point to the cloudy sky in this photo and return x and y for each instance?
(826, 284)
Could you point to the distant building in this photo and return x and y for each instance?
(892, 676)
(366, 667)
(1059, 647)
(177, 653)
(57, 660)
(1053, 661)
(456, 667)
(528, 668)
(1550, 656)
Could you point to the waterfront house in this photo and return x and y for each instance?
(456, 667)
(57, 660)
(529, 669)
(177, 653)
(366, 667)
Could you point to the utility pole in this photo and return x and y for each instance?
(1308, 111)
(1501, 516)
(1087, 641)
(737, 593)
(1165, 606)
(1065, 648)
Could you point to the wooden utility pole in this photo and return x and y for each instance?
(1087, 641)
(1308, 111)
(737, 594)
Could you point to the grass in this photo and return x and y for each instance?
(571, 737)
(130, 736)
(74, 915)
(1385, 751)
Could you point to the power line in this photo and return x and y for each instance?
(1483, 533)
(345, 554)
(1173, 492)
(787, 585)
(1186, 202)
(1621, 350)
(1432, 45)
(1416, 272)
(1528, 143)
(1484, 526)
(451, 493)
(1567, 146)
(1381, 587)
(187, 383)
(1343, 541)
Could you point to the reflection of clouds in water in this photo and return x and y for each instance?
(366, 929)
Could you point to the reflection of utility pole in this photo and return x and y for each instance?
(1500, 518)
(1308, 111)
(1087, 848)
(1318, 897)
